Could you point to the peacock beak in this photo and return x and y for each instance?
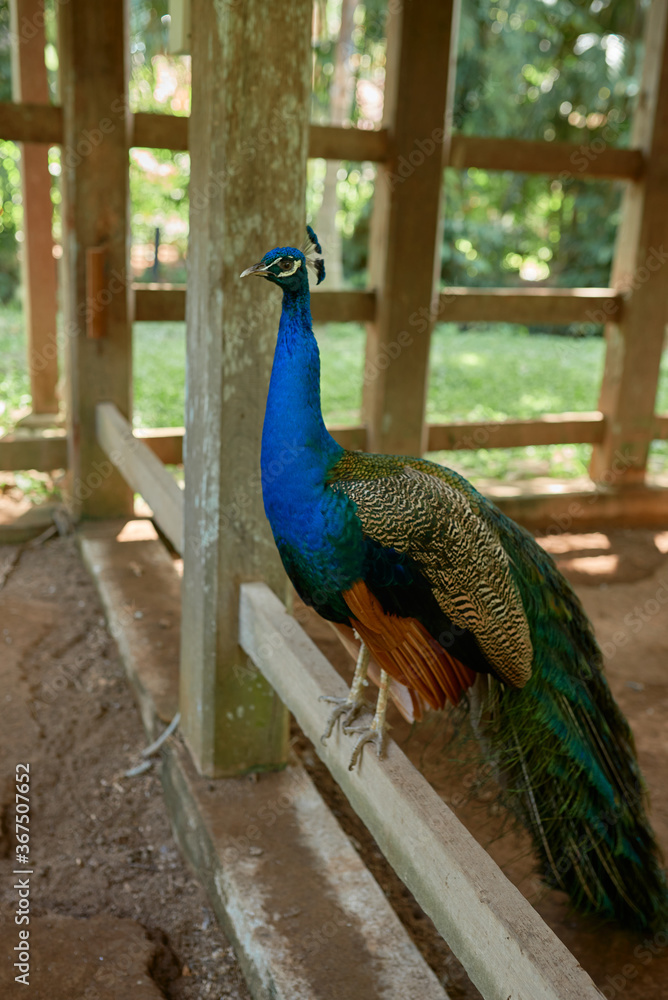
(259, 269)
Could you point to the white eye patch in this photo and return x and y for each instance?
(288, 266)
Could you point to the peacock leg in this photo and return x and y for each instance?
(377, 731)
(347, 709)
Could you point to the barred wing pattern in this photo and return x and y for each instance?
(460, 554)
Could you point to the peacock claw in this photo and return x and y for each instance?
(368, 734)
(344, 709)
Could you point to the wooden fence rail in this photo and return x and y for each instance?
(39, 123)
(142, 470)
(560, 306)
(501, 941)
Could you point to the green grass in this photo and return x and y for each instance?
(482, 374)
(159, 360)
(14, 381)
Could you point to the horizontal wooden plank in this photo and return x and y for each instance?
(352, 438)
(661, 428)
(343, 307)
(144, 472)
(451, 876)
(528, 305)
(31, 122)
(163, 303)
(159, 131)
(553, 428)
(166, 443)
(44, 123)
(595, 159)
(332, 142)
(581, 510)
(38, 452)
(159, 303)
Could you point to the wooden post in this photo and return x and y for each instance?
(405, 240)
(29, 84)
(93, 59)
(248, 142)
(635, 342)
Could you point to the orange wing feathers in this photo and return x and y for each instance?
(409, 654)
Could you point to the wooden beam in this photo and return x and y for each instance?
(405, 237)
(232, 726)
(591, 159)
(528, 305)
(327, 141)
(661, 427)
(166, 443)
(159, 131)
(334, 142)
(95, 182)
(165, 303)
(352, 438)
(553, 428)
(593, 510)
(144, 472)
(453, 879)
(40, 452)
(31, 123)
(635, 341)
(29, 83)
(159, 303)
(343, 307)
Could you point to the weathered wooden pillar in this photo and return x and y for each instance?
(98, 337)
(405, 240)
(29, 84)
(248, 145)
(635, 341)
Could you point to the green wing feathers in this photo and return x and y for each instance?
(458, 551)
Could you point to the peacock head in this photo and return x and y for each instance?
(287, 266)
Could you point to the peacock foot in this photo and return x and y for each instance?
(345, 709)
(368, 734)
(377, 731)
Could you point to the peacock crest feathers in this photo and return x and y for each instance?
(313, 255)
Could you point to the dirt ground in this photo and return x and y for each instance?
(114, 909)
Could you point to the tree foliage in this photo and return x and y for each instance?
(552, 70)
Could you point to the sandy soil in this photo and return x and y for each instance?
(101, 843)
(115, 909)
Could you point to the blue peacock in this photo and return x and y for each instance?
(444, 598)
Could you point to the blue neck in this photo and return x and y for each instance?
(297, 450)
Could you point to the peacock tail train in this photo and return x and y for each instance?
(567, 757)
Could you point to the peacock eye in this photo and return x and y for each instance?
(286, 263)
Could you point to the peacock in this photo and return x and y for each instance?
(447, 600)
